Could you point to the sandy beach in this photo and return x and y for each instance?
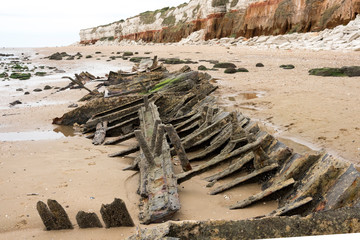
(308, 113)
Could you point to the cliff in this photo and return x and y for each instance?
(227, 18)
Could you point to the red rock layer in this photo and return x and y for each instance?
(270, 17)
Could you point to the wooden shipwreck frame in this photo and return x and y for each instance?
(174, 114)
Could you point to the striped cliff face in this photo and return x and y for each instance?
(227, 18)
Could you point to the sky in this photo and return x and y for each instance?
(44, 23)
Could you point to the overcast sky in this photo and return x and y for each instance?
(40, 23)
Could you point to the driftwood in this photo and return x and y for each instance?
(100, 133)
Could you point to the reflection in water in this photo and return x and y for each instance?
(67, 131)
(59, 132)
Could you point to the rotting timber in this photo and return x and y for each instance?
(175, 114)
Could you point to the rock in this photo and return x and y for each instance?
(353, 71)
(47, 87)
(56, 56)
(73, 105)
(242, 70)
(88, 220)
(54, 217)
(289, 66)
(47, 217)
(21, 76)
(15, 103)
(26, 93)
(230, 70)
(88, 56)
(4, 75)
(202, 68)
(116, 214)
(173, 61)
(224, 65)
(97, 52)
(327, 72)
(62, 219)
(37, 90)
(137, 59)
(259, 65)
(127, 54)
(19, 89)
(71, 58)
(40, 74)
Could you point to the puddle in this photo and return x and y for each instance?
(67, 131)
(57, 133)
(29, 136)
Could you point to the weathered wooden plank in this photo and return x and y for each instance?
(245, 178)
(263, 194)
(120, 139)
(216, 143)
(227, 153)
(175, 140)
(290, 207)
(100, 133)
(125, 152)
(237, 165)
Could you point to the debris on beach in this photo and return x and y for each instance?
(53, 215)
(173, 113)
(353, 71)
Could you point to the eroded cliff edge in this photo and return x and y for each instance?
(227, 18)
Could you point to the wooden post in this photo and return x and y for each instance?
(146, 102)
(179, 148)
(153, 137)
(100, 133)
(144, 147)
(159, 140)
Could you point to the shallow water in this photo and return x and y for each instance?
(30, 136)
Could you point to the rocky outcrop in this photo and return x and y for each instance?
(225, 18)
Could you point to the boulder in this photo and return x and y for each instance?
(224, 65)
(88, 220)
(116, 214)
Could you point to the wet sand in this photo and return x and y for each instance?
(306, 112)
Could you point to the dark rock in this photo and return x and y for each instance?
(73, 105)
(4, 75)
(327, 72)
(88, 56)
(224, 65)
(288, 66)
(71, 58)
(88, 220)
(137, 59)
(202, 68)
(230, 70)
(173, 61)
(21, 76)
(97, 52)
(116, 214)
(127, 54)
(19, 89)
(37, 90)
(47, 87)
(40, 74)
(353, 71)
(259, 65)
(242, 70)
(64, 54)
(62, 219)
(56, 56)
(46, 216)
(147, 52)
(15, 103)
(54, 217)
(26, 93)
